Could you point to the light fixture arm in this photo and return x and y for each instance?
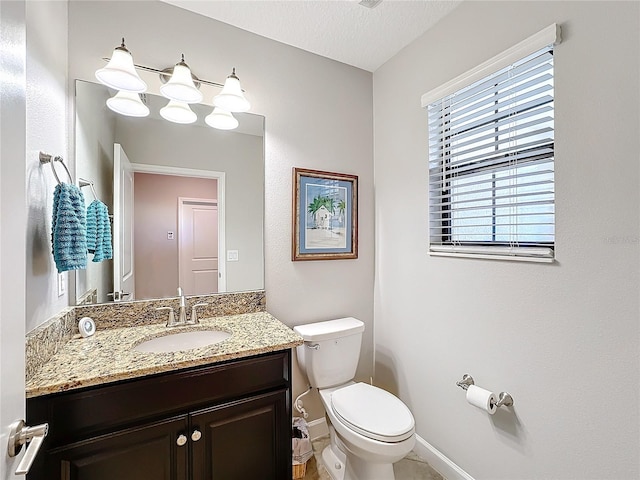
(167, 72)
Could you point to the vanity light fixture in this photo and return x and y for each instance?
(128, 103)
(231, 98)
(221, 119)
(180, 86)
(120, 72)
(178, 112)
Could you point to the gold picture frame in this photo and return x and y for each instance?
(325, 215)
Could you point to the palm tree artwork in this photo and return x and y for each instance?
(319, 202)
(325, 215)
(314, 206)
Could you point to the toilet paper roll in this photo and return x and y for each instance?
(481, 398)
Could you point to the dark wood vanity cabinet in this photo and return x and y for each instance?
(225, 421)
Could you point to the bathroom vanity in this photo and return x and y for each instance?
(221, 412)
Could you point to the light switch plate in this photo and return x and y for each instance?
(232, 255)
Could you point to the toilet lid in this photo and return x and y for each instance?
(373, 412)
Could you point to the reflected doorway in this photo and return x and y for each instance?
(198, 245)
(157, 205)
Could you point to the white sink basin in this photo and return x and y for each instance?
(178, 341)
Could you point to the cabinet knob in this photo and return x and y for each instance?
(182, 439)
(196, 435)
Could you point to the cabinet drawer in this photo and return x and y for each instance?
(83, 413)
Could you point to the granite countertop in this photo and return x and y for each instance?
(108, 355)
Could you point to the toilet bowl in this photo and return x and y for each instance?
(373, 426)
(369, 428)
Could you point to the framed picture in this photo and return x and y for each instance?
(325, 215)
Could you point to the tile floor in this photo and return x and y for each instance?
(409, 468)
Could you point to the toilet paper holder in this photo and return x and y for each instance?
(504, 398)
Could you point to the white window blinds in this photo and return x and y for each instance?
(491, 164)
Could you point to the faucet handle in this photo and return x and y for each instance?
(194, 313)
(172, 318)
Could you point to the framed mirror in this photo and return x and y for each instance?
(188, 210)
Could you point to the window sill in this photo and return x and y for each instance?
(517, 254)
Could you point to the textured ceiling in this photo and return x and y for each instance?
(341, 30)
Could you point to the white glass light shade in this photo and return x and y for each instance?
(181, 87)
(128, 103)
(221, 119)
(178, 112)
(231, 97)
(120, 72)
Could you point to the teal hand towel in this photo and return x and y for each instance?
(92, 227)
(99, 232)
(68, 228)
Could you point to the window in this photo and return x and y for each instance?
(491, 161)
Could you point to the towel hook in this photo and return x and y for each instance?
(46, 158)
(84, 183)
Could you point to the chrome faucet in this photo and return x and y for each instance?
(182, 312)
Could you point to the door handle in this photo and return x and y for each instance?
(117, 296)
(19, 435)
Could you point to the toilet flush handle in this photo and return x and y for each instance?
(315, 346)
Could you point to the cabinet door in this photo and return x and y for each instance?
(248, 439)
(150, 452)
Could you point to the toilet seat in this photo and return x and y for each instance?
(373, 412)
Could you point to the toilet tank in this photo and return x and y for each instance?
(331, 350)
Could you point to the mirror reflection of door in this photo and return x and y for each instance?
(123, 218)
(158, 232)
(198, 245)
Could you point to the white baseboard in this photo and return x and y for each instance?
(318, 428)
(438, 461)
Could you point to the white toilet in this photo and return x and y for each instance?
(370, 428)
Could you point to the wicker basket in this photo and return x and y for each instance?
(299, 471)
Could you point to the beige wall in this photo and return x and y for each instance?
(47, 119)
(561, 338)
(155, 207)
